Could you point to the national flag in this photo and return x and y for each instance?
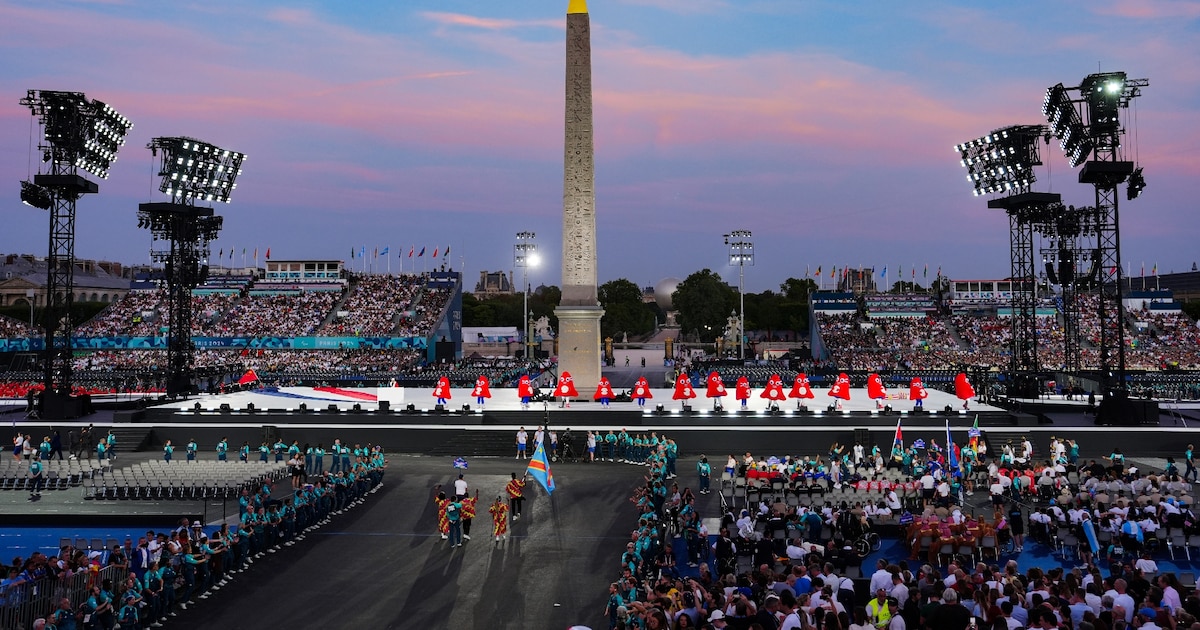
(939, 271)
(973, 432)
(460, 462)
(899, 439)
(952, 458)
(220, 254)
(539, 469)
(376, 254)
(243, 252)
(1155, 269)
(255, 253)
(883, 275)
(435, 250)
(385, 250)
(411, 250)
(422, 253)
(914, 273)
(925, 274)
(818, 271)
(833, 272)
(351, 253)
(268, 253)
(447, 252)
(362, 251)
(230, 253)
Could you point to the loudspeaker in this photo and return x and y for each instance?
(385, 406)
(659, 408)
(466, 408)
(225, 408)
(332, 408)
(439, 408)
(357, 408)
(250, 407)
(303, 407)
(411, 408)
(687, 408)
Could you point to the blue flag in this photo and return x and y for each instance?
(460, 463)
(539, 469)
(385, 250)
(951, 458)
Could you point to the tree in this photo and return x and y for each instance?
(624, 310)
(798, 290)
(904, 286)
(704, 302)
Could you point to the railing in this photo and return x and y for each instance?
(20, 605)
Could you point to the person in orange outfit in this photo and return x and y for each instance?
(499, 511)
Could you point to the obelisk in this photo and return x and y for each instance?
(579, 310)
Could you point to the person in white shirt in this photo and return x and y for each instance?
(881, 578)
(899, 591)
(1146, 564)
(522, 439)
(893, 501)
(460, 487)
(896, 622)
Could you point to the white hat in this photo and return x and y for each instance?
(716, 614)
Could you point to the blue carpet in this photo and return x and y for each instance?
(1035, 554)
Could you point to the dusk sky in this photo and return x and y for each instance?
(825, 128)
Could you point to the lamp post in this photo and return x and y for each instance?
(30, 296)
(741, 253)
(525, 256)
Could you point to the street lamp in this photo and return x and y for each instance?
(30, 296)
(525, 256)
(741, 253)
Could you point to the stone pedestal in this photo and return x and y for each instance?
(579, 346)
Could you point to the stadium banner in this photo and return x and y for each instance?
(216, 343)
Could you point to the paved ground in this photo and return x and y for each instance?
(382, 565)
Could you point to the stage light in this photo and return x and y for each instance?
(36, 196)
(1137, 183)
(1002, 161)
(193, 170)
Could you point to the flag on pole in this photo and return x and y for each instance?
(833, 271)
(939, 271)
(447, 252)
(220, 254)
(818, 271)
(268, 253)
(973, 432)
(925, 274)
(362, 251)
(914, 273)
(899, 439)
(422, 253)
(385, 250)
(435, 250)
(411, 250)
(1155, 269)
(951, 458)
(539, 469)
(376, 255)
(230, 253)
(1143, 269)
(255, 254)
(883, 274)
(351, 253)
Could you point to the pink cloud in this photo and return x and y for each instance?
(490, 24)
(1149, 9)
(685, 7)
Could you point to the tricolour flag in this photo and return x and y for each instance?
(818, 271)
(411, 250)
(422, 253)
(447, 252)
(256, 253)
(435, 251)
(539, 469)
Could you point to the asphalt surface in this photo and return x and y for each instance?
(383, 565)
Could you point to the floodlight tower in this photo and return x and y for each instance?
(1002, 163)
(191, 171)
(525, 256)
(741, 253)
(1096, 145)
(77, 134)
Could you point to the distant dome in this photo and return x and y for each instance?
(663, 291)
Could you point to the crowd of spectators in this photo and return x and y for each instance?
(145, 584)
(277, 314)
(13, 328)
(138, 313)
(374, 304)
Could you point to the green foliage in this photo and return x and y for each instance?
(704, 302)
(506, 310)
(1191, 308)
(624, 310)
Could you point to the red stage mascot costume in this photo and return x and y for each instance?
(442, 390)
(683, 389)
(565, 389)
(481, 391)
(742, 392)
(963, 389)
(525, 390)
(716, 389)
(641, 391)
(801, 390)
(875, 390)
(774, 390)
(840, 390)
(604, 391)
(917, 393)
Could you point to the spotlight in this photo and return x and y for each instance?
(250, 407)
(303, 407)
(36, 196)
(225, 408)
(192, 170)
(466, 408)
(332, 408)
(196, 407)
(1137, 183)
(357, 408)
(658, 408)
(411, 408)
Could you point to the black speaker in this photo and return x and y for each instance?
(687, 408)
(225, 408)
(439, 408)
(332, 408)
(250, 407)
(303, 407)
(659, 408)
(411, 408)
(384, 406)
(357, 408)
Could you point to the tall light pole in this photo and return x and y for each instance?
(30, 296)
(741, 253)
(525, 256)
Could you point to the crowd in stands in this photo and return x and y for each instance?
(373, 305)
(136, 314)
(13, 328)
(1169, 341)
(432, 303)
(145, 584)
(277, 315)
